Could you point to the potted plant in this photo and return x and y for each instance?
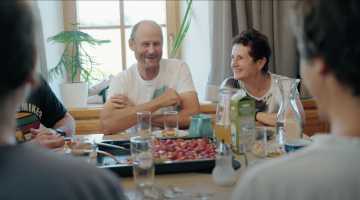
(74, 93)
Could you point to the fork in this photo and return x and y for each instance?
(178, 190)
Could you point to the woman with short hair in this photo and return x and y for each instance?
(250, 63)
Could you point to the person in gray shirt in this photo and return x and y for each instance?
(26, 171)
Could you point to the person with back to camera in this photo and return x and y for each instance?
(328, 169)
(28, 171)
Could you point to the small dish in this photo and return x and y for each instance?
(269, 133)
(273, 150)
(294, 145)
(181, 133)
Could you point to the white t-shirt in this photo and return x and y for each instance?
(270, 102)
(328, 169)
(172, 74)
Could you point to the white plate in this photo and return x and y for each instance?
(181, 133)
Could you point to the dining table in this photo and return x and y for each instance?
(201, 182)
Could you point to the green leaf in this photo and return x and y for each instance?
(187, 18)
(75, 61)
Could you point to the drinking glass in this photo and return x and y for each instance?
(144, 122)
(255, 142)
(142, 153)
(83, 148)
(171, 123)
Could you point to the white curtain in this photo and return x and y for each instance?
(220, 47)
(229, 18)
(41, 65)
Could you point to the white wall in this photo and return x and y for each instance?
(52, 20)
(196, 44)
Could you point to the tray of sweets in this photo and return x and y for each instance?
(172, 155)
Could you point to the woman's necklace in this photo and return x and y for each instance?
(262, 87)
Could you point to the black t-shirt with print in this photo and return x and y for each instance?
(41, 107)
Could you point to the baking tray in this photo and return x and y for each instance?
(166, 167)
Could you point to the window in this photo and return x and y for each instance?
(112, 20)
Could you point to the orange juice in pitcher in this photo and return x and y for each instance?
(223, 132)
(222, 127)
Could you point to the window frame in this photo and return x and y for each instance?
(172, 25)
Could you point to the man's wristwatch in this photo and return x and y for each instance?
(62, 133)
(256, 112)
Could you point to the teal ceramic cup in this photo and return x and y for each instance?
(294, 145)
(200, 126)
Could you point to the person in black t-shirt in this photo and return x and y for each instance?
(43, 107)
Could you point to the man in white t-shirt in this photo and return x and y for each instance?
(152, 84)
(328, 169)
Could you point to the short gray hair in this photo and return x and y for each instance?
(134, 29)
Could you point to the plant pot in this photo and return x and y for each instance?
(74, 95)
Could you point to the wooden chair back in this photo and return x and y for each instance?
(313, 123)
(88, 119)
(209, 109)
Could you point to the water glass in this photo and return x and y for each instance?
(254, 144)
(83, 148)
(171, 123)
(142, 153)
(144, 122)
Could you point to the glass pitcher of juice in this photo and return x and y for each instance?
(222, 122)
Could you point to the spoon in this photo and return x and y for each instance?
(76, 152)
(193, 196)
(197, 198)
(178, 190)
(123, 161)
(148, 195)
(164, 194)
(109, 145)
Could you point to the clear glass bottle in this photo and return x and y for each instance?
(224, 173)
(222, 121)
(288, 122)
